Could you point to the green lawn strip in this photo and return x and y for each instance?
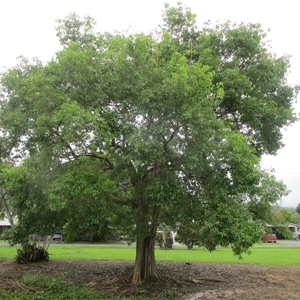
(273, 255)
(265, 256)
(86, 252)
(7, 252)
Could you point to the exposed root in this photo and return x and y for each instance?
(16, 285)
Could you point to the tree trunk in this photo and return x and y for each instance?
(4, 197)
(145, 266)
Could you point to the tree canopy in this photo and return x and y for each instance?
(143, 129)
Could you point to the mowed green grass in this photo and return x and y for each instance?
(268, 255)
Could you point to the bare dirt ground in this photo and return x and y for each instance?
(182, 281)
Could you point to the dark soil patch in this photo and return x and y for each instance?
(195, 281)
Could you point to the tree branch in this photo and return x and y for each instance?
(104, 159)
(66, 144)
(115, 145)
(4, 196)
(154, 221)
(172, 135)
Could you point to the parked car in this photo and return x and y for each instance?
(269, 238)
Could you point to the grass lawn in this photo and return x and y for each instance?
(269, 254)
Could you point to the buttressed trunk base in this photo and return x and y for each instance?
(145, 266)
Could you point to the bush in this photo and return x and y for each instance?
(194, 236)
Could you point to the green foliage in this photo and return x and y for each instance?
(285, 215)
(169, 294)
(192, 235)
(298, 209)
(187, 236)
(51, 288)
(130, 131)
(82, 185)
(281, 217)
(45, 282)
(35, 218)
(256, 99)
(5, 197)
(264, 196)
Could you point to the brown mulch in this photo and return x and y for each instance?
(193, 282)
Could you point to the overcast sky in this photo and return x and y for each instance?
(27, 28)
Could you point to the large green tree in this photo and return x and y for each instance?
(150, 128)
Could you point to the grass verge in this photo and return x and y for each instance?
(272, 255)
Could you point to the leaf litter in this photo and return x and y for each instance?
(181, 281)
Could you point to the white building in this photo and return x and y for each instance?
(4, 224)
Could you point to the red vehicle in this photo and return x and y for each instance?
(269, 238)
